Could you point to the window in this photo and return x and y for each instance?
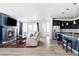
(32, 28)
(24, 29)
(29, 29)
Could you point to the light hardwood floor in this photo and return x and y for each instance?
(47, 47)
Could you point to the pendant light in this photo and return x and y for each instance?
(67, 23)
(74, 22)
(62, 25)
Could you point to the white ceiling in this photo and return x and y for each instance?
(39, 11)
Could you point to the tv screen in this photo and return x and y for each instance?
(11, 22)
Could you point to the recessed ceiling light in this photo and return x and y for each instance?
(67, 9)
(62, 12)
(74, 3)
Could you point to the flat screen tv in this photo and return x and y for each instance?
(11, 22)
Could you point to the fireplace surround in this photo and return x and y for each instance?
(7, 33)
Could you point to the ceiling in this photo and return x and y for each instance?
(40, 11)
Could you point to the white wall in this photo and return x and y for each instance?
(18, 26)
(41, 29)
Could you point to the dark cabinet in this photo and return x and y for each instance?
(65, 26)
(0, 34)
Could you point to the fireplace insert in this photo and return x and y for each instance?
(10, 35)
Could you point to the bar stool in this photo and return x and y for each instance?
(67, 42)
(59, 39)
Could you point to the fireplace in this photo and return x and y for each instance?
(10, 35)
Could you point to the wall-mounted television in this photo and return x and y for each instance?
(11, 22)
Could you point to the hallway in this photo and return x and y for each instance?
(47, 47)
